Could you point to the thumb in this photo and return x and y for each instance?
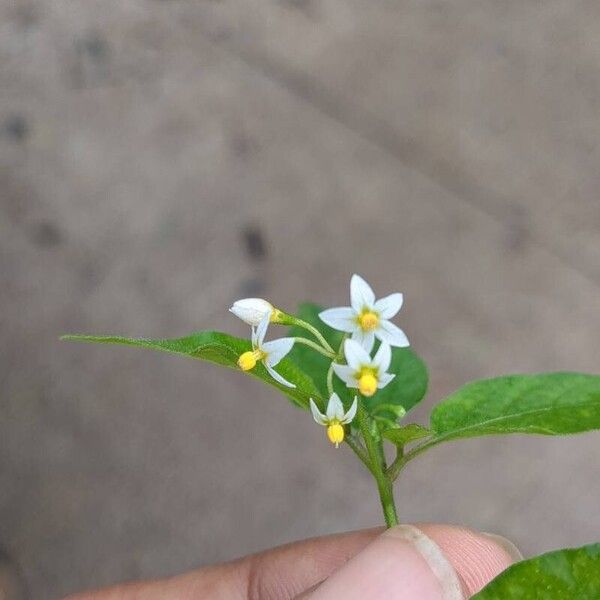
(424, 562)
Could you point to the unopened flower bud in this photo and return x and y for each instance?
(252, 310)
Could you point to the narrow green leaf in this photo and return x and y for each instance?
(222, 349)
(564, 574)
(547, 404)
(406, 389)
(407, 433)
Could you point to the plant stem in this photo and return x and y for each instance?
(386, 495)
(402, 460)
(315, 332)
(378, 468)
(358, 449)
(315, 346)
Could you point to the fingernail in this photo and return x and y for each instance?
(506, 545)
(440, 566)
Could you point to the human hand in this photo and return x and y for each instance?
(423, 562)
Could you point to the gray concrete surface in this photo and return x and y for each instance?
(448, 150)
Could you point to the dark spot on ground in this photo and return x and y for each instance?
(24, 16)
(304, 6)
(15, 127)
(243, 145)
(254, 243)
(94, 46)
(47, 234)
(91, 64)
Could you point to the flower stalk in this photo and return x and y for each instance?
(291, 320)
(315, 346)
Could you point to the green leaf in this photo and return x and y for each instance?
(406, 389)
(222, 349)
(407, 433)
(547, 404)
(564, 574)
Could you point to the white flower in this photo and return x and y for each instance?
(269, 353)
(334, 418)
(251, 310)
(363, 372)
(367, 318)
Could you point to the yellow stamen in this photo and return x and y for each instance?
(368, 320)
(335, 433)
(367, 383)
(248, 360)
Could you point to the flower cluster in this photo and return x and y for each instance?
(364, 321)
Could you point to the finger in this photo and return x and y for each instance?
(277, 574)
(428, 562)
(476, 557)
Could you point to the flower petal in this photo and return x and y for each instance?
(318, 416)
(356, 355)
(365, 338)
(335, 408)
(346, 374)
(394, 336)
(342, 318)
(384, 378)
(349, 416)
(277, 349)
(388, 306)
(277, 377)
(383, 358)
(261, 330)
(361, 294)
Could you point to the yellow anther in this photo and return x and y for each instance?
(248, 360)
(335, 433)
(367, 384)
(368, 321)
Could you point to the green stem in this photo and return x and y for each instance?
(336, 358)
(358, 449)
(402, 459)
(314, 331)
(315, 346)
(378, 468)
(386, 495)
(330, 378)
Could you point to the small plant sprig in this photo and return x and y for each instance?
(353, 369)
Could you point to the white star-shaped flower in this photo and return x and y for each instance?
(363, 372)
(334, 418)
(269, 353)
(367, 318)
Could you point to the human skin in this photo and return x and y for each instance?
(421, 562)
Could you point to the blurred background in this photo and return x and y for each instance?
(160, 159)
